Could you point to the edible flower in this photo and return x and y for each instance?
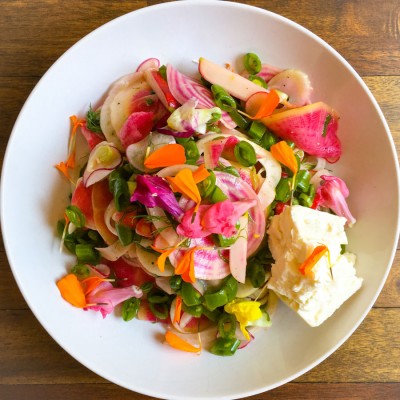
(165, 156)
(219, 218)
(269, 102)
(283, 153)
(332, 193)
(245, 311)
(64, 167)
(72, 291)
(180, 344)
(183, 182)
(154, 191)
(188, 118)
(313, 259)
(163, 256)
(94, 293)
(185, 266)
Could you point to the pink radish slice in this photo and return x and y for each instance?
(313, 128)
(150, 63)
(236, 189)
(184, 89)
(136, 127)
(208, 264)
(212, 152)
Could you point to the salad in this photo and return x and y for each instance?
(177, 184)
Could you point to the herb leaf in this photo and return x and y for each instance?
(326, 123)
(93, 120)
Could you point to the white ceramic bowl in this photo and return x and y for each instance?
(33, 196)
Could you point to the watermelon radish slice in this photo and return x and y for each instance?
(313, 128)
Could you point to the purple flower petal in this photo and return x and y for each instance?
(154, 191)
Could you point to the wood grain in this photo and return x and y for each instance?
(33, 34)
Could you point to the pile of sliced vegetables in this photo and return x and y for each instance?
(173, 188)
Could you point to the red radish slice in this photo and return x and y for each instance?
(295, 84)
(313, 128)
(103, 159)
(160, 86)
(82, 198)
(136, 127)
(256, 104)
(150, 63)
(184, 89)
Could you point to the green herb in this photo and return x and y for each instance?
(76, 216)
(326, 123)
(93, 120)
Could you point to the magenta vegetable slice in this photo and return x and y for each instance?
(313, 128)
(184, 89)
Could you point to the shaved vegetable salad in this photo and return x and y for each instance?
(174, 182)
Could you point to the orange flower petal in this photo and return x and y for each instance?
(91, 283)
(184, 183)
(178, 343)
(283, 153)
(163, 257)
(178, 309)
(171, 154)
(185, 266)
(72, 291)
(268, 105)
(200, 174)
(314, 257)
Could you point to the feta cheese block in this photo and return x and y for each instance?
(292, 236)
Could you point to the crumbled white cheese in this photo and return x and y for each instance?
(293, 235)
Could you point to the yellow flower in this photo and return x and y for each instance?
(245, 311)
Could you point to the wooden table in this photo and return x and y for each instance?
(34, 33)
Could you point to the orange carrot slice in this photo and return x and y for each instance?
(178, 309)
(314, 257)
(264, 102)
